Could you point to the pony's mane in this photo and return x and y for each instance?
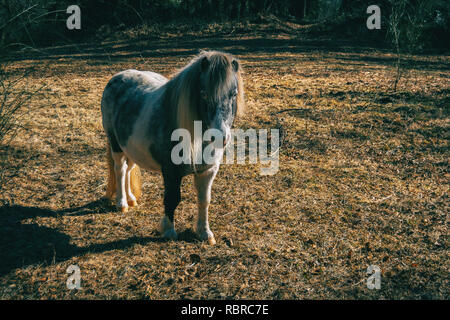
(183, 91)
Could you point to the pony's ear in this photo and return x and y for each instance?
(235, 65)
(204, 63)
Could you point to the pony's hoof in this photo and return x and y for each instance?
(207, 235)
(211, 241)
(170, 234)
(109, 196)
(167, 229)
(132, 203)
(124, 209)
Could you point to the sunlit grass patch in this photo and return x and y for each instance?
(363, 180)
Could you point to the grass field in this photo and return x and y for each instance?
(363, 180)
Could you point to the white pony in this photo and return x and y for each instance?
(141, 110)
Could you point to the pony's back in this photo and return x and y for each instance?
(123, 98)
(123, 81)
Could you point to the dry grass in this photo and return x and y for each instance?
(363, 180)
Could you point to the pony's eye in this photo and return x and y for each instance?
(234, 93)
(203, 94)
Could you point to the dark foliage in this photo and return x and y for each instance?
(423, 24)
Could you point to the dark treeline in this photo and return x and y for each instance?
(422, 23)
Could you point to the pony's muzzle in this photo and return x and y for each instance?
(221, 140)
(220, 137)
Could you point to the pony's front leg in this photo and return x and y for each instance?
(172, 197)
(120, 170)
(203, 184)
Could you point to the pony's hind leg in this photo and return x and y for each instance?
(203, 184)
(131, 199)
(120, 169)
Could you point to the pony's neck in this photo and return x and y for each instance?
(181, 97)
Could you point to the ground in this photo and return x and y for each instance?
(363, 180)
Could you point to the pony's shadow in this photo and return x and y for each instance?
(23, 243)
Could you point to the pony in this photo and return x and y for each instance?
(140, 112)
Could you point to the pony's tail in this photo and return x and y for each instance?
(135, 178)
(111, 186)
(135, 182)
